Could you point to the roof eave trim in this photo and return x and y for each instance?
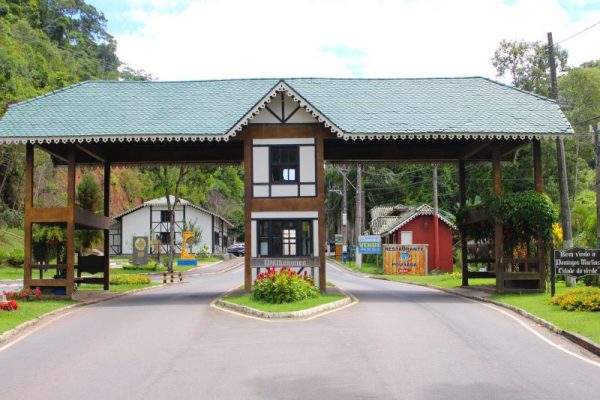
(456, 135)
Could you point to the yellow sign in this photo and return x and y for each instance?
(184, 246)
(405, 259)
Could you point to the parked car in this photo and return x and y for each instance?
(237, 249)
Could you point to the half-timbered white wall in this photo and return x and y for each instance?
(139, 223)
(262, 187)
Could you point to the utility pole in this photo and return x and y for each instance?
(344, 215)
(436, 228)
(359, 210)
(597, 167)
(565, 211)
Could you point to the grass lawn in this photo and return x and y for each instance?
(246, 300)
(117, 288)
(583, 322)
(9, 241)
(444, 281)
(29, 310)
(7, 273)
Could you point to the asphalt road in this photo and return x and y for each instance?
(398, 342)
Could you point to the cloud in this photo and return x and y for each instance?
(381, 38)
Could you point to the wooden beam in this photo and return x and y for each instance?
(248, 207)
(106, 281)
(92, 151)
(498, 233)
(89, 219)
(474, 148)
(47, 215)
(71, 224)
(462, 199)
(52, 153)
(537, 166)
(28, 250)
(321, 207)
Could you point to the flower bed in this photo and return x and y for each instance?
(581, 299)
(25, 294)
(10, 305)
(283, 286)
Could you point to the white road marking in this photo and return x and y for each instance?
(37, 328)
(530, 329)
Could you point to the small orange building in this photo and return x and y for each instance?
(414, 225)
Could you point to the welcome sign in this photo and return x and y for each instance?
(577, 262)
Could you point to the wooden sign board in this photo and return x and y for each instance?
(289, 262)
(405, 259)
(577, 262)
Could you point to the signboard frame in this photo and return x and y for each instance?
(575, 261)
(370, 244)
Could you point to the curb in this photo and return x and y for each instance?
(289, 315)
(6, 336)
(572, 336)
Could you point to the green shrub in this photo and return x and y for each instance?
(129, 280)
(148, 267)
(15, 258)
(580, 299)
(283, 286)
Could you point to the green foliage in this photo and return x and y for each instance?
(48, 242)
(583, 216)
(283, 286)
(527, 64)
(15, 258)
(480, 231)
(149, 267)
(580, 299)
(89, 196)
(524, 214)
(129, 280)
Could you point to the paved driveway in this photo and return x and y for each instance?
(398, 342)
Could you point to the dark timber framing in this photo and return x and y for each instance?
(72, 217)
(327, 148)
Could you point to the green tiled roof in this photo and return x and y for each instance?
(352, 108)
(385, 224)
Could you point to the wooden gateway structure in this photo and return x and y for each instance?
(283, 131)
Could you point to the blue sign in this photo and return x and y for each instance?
(369, 244)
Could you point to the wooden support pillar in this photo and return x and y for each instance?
(248, 215)
(28, 206)
(498, 234)
(537, 166)
(321, 212)
(462, 199)
(71, 222)
(107, 231)
(539, 187)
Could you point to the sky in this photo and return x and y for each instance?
(219, 39)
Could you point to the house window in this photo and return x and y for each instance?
(284, 164)
(217, 237)
(165, 216)
(163, 237)
(278, 238)
(406, 237)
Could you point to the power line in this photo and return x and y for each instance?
(577, 34)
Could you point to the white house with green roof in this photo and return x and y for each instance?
(283, 131)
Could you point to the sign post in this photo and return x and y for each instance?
(368, 244)
(140, 250)
(576, 262)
